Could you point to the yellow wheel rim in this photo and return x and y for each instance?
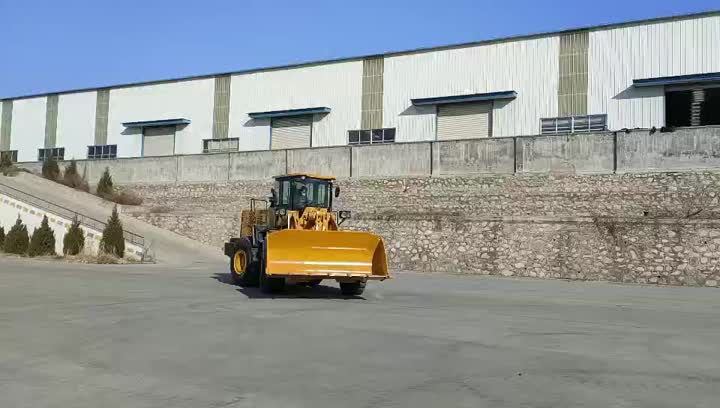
(239, 262)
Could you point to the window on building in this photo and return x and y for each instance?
(220, 145)
(102, 152)
(692, 107)
(573, 124)
(9, 153)
(56, 153)
(371, 136)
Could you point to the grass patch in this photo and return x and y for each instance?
(160, 209)
(123, 197)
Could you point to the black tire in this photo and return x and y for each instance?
(352, 288)
(314, 282)
(267, 284)
(249, 276)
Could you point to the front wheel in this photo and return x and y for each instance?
(243, 269)
(352, 288)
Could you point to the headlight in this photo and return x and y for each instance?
(344, 214)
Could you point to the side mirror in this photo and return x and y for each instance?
(337, 191)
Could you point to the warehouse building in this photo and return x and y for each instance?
(660, 72)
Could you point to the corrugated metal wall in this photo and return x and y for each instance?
(187, 99)
(51, 118)
(291, 133)
(76, 123)
(159, 141)
(6, 109)
(102, 108)
(617, 56)
(464, 121)
(529, 67)
(573, 75)
(28, 127)
(221, 107)
(372, 93)
(337, 86)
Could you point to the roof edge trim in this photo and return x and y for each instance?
(289, 112)
(156, 123)
(490, 96)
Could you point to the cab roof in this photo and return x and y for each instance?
(308, 175)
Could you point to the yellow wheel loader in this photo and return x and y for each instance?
(294, 237)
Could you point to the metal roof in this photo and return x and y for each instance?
(289, 112)
(155, 123)
(677, 80)
(386, 54)
(464, 98)
(308, 175)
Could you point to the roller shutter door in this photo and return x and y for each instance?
(159, 141)
(464, 121)
(292, 132)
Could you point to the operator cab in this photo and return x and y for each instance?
(295, 192)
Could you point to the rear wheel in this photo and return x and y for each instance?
(243, 269)
(352, 288)
(268, 284)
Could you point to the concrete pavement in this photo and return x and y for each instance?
(153, 336)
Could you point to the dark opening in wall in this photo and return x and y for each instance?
(677, 108)
(692, 107)
(711, 107)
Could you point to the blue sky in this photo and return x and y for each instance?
(58, 45)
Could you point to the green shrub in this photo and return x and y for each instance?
(42, 241)
(50, 169)
(70, 172)
(5, 160)
(7, 167)
(2, 237)
(16, 240)
(105, 185)
(112, 240)
(73, 179)
(74, 240)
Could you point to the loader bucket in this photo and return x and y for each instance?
(331, 254)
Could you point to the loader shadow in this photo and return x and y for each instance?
(321, 291)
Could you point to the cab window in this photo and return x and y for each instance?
(299, 195)
(322, 194)
(285, 193)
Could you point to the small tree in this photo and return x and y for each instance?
(74, 240)
(6, 163)
(70, 172)
(105, 185)
(50, 169)
(43, 240)
(2, 237)
(7, 167)
(85, 186)
(112, 240)
(16, 240)
(72, 178)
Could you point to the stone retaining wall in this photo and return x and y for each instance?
(659, 228)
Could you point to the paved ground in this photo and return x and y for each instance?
(144, 336)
